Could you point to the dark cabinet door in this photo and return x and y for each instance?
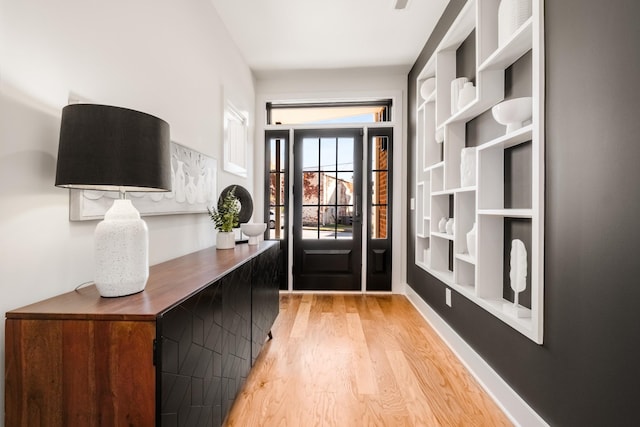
(265, 297)
(204, 344)
(190, 345)
(236, 332)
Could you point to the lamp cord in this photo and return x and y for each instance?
(82, 285)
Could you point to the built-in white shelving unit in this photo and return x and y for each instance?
(482, 278)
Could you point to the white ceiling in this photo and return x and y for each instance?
(276, 35)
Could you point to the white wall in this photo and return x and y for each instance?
(341, 85)
(168, 58)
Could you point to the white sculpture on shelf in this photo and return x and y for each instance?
(518, 278)
(456, 87)
(471, 241)
(467, 95)
(468, 167)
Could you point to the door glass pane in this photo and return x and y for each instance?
(310, 188)
(311, 154)
(277, 155)
(277, 149)
(345, 222)
(379, 153)
(327, 188)
(276, 222)
(310, 223)
(379, 188)
(345, 154)
(378, 222)
(276, 196)
(328, 154)
(328, 222)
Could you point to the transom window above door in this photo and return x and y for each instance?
(329, 113)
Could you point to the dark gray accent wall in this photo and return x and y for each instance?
(587, 372)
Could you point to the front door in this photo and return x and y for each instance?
(327, 217)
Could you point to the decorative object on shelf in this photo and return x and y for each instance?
(518, 278)
(427, 87)
(243, 197)
(471, 241)
(442, 225)
(111, 148)
(225, 218)
(450, 225)
(511, 15)
(440, 135)
(466, 95)
(253, 230)
(513, 112)
(456, 87)
(468, 167)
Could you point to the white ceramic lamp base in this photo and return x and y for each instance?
(121, 251)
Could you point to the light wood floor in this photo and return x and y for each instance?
(354, 360)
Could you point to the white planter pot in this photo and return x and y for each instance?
(225, 240)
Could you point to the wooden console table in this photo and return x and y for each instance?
(175, 354)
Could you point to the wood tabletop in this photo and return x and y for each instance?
(169, 283)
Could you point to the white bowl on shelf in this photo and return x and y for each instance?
(253, 230)
(427, 87)
(513, 112)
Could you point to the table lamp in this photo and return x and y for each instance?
(115, 149)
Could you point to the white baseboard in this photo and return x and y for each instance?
(518, 411)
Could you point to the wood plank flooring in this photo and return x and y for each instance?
(356, 360)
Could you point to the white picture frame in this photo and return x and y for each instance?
(236, 140)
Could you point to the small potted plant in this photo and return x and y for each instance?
(225, 218)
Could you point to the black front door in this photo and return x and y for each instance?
(327, 223)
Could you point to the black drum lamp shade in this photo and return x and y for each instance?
(114, 149)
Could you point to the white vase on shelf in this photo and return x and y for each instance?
(511, 15)
(467, 94)
(450, 225)
(456, 87)
(427, 87)
(442, 225)
(471, 241)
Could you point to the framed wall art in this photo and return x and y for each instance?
(194, 183)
